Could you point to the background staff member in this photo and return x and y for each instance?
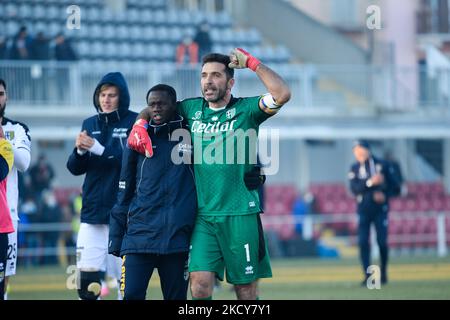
(152, 222)
(98, 154)
(372, 182)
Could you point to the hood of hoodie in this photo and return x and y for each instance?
(118, 80)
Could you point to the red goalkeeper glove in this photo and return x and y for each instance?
(242, 59)
(139, 140)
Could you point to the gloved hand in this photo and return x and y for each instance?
(254, 179)
(241, 59)
(139, 140)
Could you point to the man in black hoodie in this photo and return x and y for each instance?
(98, 154)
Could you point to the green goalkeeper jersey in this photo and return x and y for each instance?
(225, 147)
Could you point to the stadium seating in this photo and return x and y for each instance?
(147, 22)
(412, 220)
(65, 195)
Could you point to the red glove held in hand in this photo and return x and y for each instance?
(139, 140)
(242, 59)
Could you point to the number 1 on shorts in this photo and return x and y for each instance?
(247, 251)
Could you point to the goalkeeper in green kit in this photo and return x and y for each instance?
(228, 235)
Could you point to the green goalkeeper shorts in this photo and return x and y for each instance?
(233, 243)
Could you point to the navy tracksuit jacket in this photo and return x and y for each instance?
(102, 172)
(368, 210)
(153, 219)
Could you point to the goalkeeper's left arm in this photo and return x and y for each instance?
(279, 92)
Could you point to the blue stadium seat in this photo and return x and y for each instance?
(227, 36)
(117, 17)
(190, 31)
(96, 32)
(159, 17)
(123, 50)
(175, 34)
(83, 48)
(133, 3)
(185, 18)
(40, 12)
(269, 55)
(137, 51)
(25, 11)
(172, 18)
(40, 26)
(151, 51)
(12, 27)
(217, 48)
(109, 31)
(111, 49)
(162, 33)
(133, 16)
(107, 15)
(215, 35)
(11, 11)
(146, 16)
(122, 32)
(198, 17)
(254, 37)
(135, 33)
(161, 4)
(283, 54)
(82, 33)
(148, 33)
(91, 14)
(239, 38)
(54, 13)
(223, 20)
(167, 52)
(54, 28)
(97, 50)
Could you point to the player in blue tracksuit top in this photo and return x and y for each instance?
(98, 154)
(152, 221)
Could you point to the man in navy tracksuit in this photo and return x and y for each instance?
(152, 221)
(98, 154)
(373, 182)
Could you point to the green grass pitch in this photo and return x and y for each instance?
(293, 279)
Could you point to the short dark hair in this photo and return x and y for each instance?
(3, 83)
(220, 58)
(362, 143)
(165, 88)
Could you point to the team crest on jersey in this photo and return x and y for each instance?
(9, 135)
(231, 113)
(197, 115)
(249, 270)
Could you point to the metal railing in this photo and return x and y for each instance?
(342, 88)
(314, 225)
